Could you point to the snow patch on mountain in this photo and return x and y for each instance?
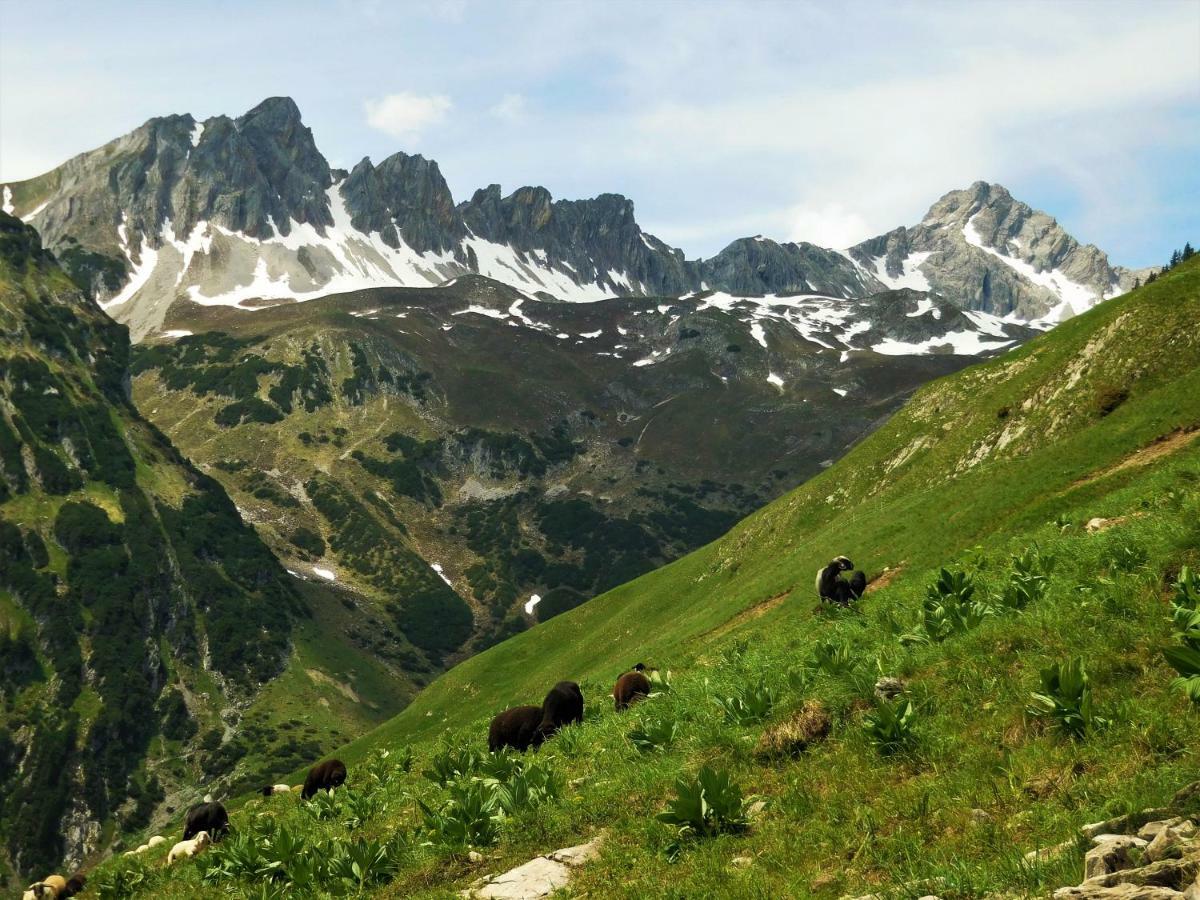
(911, 277)
(1074, 297)
(961, 343)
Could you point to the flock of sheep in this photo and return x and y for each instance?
(520, 728)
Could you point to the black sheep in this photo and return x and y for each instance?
(516, 728)
(631, 687)
(210, 817)
(562, 706)
(75, 884)
(324, 776)
(831, 586)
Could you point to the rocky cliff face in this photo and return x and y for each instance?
(247, 212)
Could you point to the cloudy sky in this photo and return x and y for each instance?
(804, 121)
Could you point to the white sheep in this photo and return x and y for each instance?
(51, 887)
(188, 849)
(156, 840)
(275, 789)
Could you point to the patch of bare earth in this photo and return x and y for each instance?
(886, 577)
(1156, 449)
(749, 614)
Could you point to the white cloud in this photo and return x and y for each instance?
(829, 225)
(510, 108)
(406, 115)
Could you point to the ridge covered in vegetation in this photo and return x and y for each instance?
(134, 603)
(1032, 525)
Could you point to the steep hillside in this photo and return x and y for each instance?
(997, 447)
(536, 453)
(139, 616)
(246, 212)
(991, 473)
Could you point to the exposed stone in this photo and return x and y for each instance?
(741, 862)
(889, 688)
(1172, 873)
(980, 816)
(1118, 892)
(1150, 830)
(1168, 843)
(537, 878)
(1112, 853)
(1126, 823)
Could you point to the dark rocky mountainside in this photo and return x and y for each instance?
(246, 211)
(135, 606)
(447, 454)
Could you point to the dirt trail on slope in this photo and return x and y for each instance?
(885, 578)
(758, 610)
(1156, 449)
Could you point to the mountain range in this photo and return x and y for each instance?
(365, 432)
(246, 211)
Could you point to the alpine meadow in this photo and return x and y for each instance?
(373, 530)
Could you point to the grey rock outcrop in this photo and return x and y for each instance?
(996, 254)
(404, 198)
(594, 238)
(540, 877)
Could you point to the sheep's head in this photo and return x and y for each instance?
(843, 563)
(640, 667)
(202, 840)
(268, 791)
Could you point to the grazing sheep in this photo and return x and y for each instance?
(562, 706)
(516, 728)
(209, 817)
(188, 849)
(275, 789)
(631, 687)
(142, 849)
(324, 776)
(75, 884)
(49, 888)
(156, 840)
(831, 586)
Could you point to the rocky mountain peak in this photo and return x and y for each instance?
(131, 221)
(404, 199)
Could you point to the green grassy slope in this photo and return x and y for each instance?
(998, 448)
(1096, 419)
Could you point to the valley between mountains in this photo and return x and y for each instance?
(375, 459)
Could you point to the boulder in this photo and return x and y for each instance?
(1150, 830)
(888, 688)
(1169, 841)
(1125, 824)
(540, 877)
(1176, 874)
(1112, 853)
(1118, 892)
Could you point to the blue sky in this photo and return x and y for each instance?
(802, 121)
